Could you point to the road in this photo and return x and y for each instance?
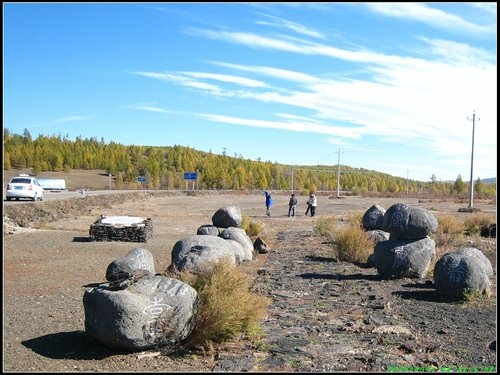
(66, 194)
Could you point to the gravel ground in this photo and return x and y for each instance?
(325, 315)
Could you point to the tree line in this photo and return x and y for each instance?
(164, 167)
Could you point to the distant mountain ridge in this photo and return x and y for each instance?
(491, 180)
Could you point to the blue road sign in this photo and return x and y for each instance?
(190, 175)
(141, 179)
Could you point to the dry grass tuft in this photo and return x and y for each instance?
(476, 222)
(448, 231)
(351, 243)
(355, 219)
(325, 227)
(227, 305)
(253, 229)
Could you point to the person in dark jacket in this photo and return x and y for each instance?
(292, 205)
(269, 203)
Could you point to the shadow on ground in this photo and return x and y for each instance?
(69, 345)
(357, 276)
(82, 239)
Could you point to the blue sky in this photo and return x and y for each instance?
(392, 86)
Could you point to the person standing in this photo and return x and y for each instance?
(292, 205)
(269, 203)
(311, 205)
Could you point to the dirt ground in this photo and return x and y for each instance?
(325, 315)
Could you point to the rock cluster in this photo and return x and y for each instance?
(403, 247)
(137, 231)
(223, 238)
(138, 309)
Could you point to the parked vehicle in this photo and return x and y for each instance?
(24, 186)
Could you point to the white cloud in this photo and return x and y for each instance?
(147, 108)
(293, 26)
(303, 47)
(288, 116)
(178, 79)
(63, 120)
(282, 125)
(283, 74)
(491, 7)
(431, 16)
(415, 103)
(455, 53)
(422, 102)
(226, 78)
(72, 119)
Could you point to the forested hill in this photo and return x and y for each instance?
(164, 167)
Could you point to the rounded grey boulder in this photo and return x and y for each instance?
(229, 216)
(239, 235)
(194, 253)
(152, 312)
(457, 272)
(373, 218)
(478, 254)
(378, 235)
(395, 259)
(407, 222)
(208, 229)
(136, 259)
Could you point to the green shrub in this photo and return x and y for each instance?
(356, 190)
(469, 295)
(227, 305)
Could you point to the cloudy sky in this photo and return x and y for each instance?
(391, 87)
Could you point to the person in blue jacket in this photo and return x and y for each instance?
(269, 203)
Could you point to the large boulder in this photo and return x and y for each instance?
(395, 259)
(478, 254)
(208, 229)
(407, 222)
(124, 267)
(152, 312)
(373, 218)
(377, 235)
(260, 246)
(239, 235)
(458, 272)
(240, 253)
(489, 231)
(195, 253)
(229, 216)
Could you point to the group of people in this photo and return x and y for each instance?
(292, 204)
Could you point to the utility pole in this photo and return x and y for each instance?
(338, 173)
(471, 197)
(292, 179)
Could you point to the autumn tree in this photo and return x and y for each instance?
(459, 185)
